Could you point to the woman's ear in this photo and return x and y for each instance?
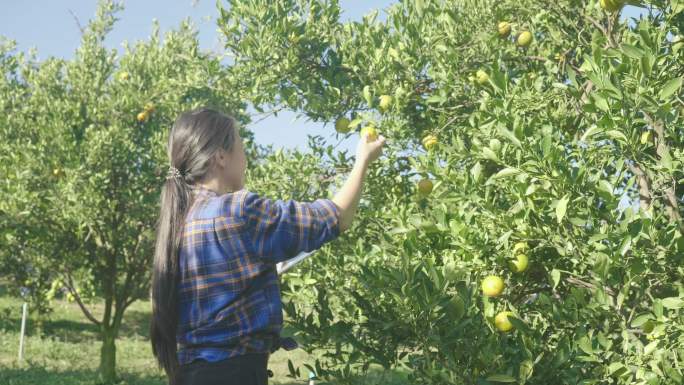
(220, 158)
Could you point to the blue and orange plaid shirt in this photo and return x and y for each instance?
(229, 294)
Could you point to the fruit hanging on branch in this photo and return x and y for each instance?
(342, 125)
(142, 116)
(58, 172)
(502, 323)
(492, 286)
(429, 141)
(425, 187)
(482, 77)
(370, 133)
(504, 29)
(385, 102)
(525, 39)
(612, 5)
(519, 264)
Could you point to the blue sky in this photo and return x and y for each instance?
(51, 27)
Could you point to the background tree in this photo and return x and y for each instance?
(83, 156)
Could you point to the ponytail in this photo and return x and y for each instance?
(165, 275)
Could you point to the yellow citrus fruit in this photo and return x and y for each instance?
(342, 125)
(371, 132)
(123, 76)
(425, 186)
(504, 28)
(520, 246)
(525, 38)
(519, 264)
(492, 286)
(612, 5)
(482, 77)
(149, 107)
(501, 321)
(385, 102)
(429, 141)
(57, 172)
(142, 116)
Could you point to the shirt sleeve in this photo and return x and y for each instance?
(281, 229)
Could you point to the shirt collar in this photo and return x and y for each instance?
(203, 191)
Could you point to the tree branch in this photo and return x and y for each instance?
(645, 195)
(72, 290)
(78, 23)
(672, 206)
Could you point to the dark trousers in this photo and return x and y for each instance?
(248, 369)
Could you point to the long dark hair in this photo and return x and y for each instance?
(194, 139)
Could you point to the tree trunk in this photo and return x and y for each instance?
(108, 356)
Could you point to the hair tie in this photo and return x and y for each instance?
(173, 173)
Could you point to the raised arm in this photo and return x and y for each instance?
(347, 199)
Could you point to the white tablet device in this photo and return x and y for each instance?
(284, 266)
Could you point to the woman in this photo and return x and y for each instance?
(216, 307)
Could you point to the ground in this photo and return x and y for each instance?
(68, 351)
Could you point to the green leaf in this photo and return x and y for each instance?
(585, 344)
(677, 7)
(555, 277)
(641, 319)
(615, 134)
(506, 172)
(673, 303)
(354, 123)
(489, 154)
(476, 171)
(626, 245)
(648, 349)
(290, 367)
(615, 367)
(439, 99)
(632, 51)
(526, 369)
(367, 95)
(647, 63)
(510, 136)
(561, 208)
(501, 378)
(601, 102)
(591, 131)
(670, 88)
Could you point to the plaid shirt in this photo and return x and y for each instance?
(229, 295)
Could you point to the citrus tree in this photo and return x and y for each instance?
(82, 161)
(525, 223)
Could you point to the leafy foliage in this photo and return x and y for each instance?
(573, 144)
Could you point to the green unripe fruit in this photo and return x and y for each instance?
(525, 38)
(342, 125)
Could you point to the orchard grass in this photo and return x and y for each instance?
(68, 351)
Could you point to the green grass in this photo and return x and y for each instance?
(68, 350)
